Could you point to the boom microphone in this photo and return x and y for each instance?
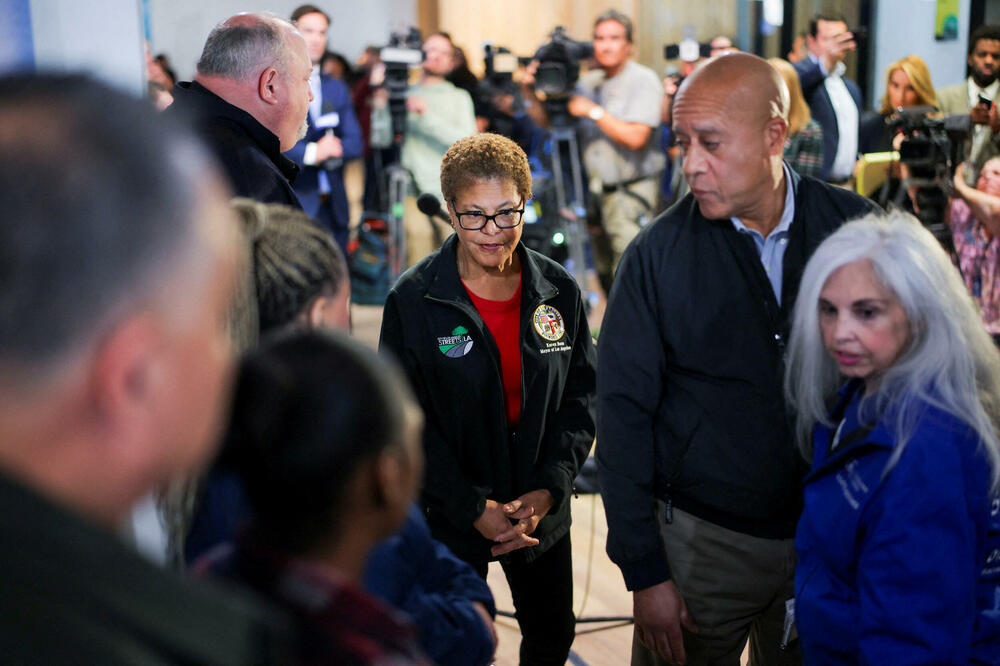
(430, 206)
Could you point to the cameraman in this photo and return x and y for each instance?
(620, 100)
(974, 218)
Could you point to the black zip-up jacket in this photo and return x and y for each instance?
(691, 406)
(453, 364)
(249, 153)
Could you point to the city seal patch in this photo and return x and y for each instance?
(459, 343)
(548, 323)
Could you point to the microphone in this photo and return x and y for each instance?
(328, 120)
(430, 206)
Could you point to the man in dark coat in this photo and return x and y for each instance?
(249, 103)
(699, 472)
(119, 261)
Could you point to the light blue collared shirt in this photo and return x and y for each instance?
(772, 248)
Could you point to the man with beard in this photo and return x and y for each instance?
(968, 96)
(249, 103)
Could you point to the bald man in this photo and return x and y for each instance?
(249, 101)
(699, 471)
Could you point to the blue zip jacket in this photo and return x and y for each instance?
(898, 567)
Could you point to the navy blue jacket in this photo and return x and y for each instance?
(813, 89)
(248, 152)
(691, 408)
(419, 576)
(336, 97)
(898, 567)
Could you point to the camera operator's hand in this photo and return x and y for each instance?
(328, 146)
(416, 105)
(580, 106)
(527, 75)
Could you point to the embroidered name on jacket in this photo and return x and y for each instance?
(459, 343)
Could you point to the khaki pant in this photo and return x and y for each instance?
(621, 213)
(735, 586)
(423, 234)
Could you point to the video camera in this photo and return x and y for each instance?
(559, 63)
(931, 148)
(403, 51)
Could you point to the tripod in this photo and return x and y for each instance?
(570, 204)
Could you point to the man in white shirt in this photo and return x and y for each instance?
(966, 97)
(835, 101)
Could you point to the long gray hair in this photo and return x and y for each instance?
(950, 361)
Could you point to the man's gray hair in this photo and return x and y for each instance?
(950, 361)
(98, 200)
(242, 50)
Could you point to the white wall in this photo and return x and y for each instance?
(103, 37)
(903, 27)
(179, 27)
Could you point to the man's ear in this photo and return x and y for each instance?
(315, 312)
(267, 85)
(775, 131)
(123, 388)
(390, 479)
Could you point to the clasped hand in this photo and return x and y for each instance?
(527, 510)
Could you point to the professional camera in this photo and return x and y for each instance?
(931, 148)
(403, 51)
(559, 63)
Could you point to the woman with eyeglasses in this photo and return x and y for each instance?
(494, 339)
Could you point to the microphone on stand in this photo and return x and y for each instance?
(429, 205)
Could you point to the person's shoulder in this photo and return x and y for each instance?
(550, 269)
(818, 195)
(672, 228)
(640, 71)
(335, 85)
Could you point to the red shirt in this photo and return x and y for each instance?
(503, 319)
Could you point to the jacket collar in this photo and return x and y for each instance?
(209, 105)
(851, 443)
(444, 283)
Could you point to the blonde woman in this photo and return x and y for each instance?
(804, 142)
(907, 84)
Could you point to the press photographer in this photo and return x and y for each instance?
(619, 103)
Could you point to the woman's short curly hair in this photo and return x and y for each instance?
(484, 157)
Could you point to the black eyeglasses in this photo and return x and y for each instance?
(504, 219)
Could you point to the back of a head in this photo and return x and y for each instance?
(97, 196)
(309, 408)
(243, 46)
(293, 261)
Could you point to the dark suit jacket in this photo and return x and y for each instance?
(73, 593)
(248, 152)
(337, 97)
(811, 77)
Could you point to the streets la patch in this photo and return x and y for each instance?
(548, 323)
(459, 343)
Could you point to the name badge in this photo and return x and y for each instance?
(328, 120)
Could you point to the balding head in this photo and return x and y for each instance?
(244, 45)
(260, 63)
(745, 84)
(730, 119)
